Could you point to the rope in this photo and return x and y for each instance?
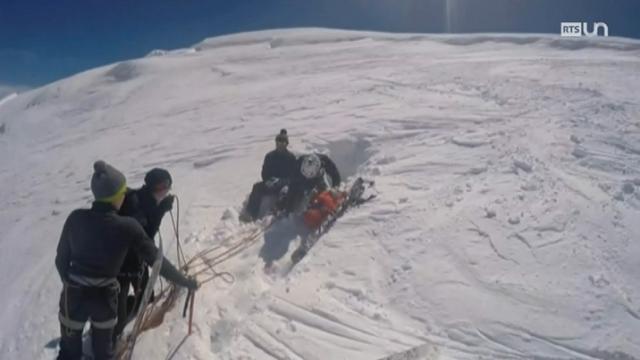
(173, 353)
(202, 263)
(193, 296)
(176, 229)
(155, 301)
(225, 276)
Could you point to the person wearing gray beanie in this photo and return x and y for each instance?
(107, 183)
(90, 254)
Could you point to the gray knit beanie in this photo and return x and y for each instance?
(106, 181)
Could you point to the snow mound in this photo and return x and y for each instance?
(160, 52)
(312, 36)
(8, 98)
(124, 71)
(351, 154)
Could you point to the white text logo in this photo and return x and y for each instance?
(578, 29)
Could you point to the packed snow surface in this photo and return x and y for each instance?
(507, 170)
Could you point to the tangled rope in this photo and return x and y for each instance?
(202, 264)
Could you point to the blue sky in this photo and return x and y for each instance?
(45, 40)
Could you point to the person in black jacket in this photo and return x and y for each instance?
(90, 254)
(147, 205)
(313, 172)
(277, 169)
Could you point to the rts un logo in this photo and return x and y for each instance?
(578, 29)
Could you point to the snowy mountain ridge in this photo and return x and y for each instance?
(506, 166)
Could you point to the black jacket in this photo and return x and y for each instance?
(301, 185)
(329, 167)
(140, 205)
(278, 164)
(94, 243)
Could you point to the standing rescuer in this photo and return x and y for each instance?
(147, 205)
(90, 254)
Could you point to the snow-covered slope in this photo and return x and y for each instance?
(505, 225)
(7, 97)
(9, 91)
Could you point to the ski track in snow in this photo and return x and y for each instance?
(506, 169)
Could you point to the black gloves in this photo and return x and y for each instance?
(169, 272)
(191, 284)
(272, 183)
(276, 183)
(283, 192)
(166, 204)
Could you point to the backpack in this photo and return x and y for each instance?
(321, 206)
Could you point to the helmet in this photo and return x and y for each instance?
(311, 166)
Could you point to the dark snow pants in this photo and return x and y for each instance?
(79, 304)
(260, 190)
(128, 306)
